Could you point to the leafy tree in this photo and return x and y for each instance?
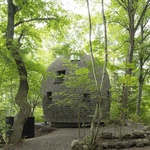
(78, 83)
(29, 25)
(144, 57)
(133, 15)
(98, 110)
(3, 108)
(20, 39)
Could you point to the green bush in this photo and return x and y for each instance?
(2, 122)
(114, 112)
(134, 117)
(38, 114)
(145, 117)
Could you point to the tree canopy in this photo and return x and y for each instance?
(34, 33)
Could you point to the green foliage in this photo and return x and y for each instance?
(115, 112)
(38, 114)
(78, 82)
(145, 104)
(66, 33)
(145, 118)
(62, 50)
(129, 80)
(3, 113)
(134, 117)
(78, 78)
(26, 40)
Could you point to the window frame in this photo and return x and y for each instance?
(60, 76)
(49, 97)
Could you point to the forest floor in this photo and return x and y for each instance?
(55, 139)
(61, 138)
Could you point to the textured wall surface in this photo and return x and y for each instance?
(51, 87)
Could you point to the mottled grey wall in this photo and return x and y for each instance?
(64, 113)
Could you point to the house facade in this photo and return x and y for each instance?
(68, 100)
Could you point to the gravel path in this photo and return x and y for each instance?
(59, 139)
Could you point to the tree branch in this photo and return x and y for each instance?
(90, 45)
(146, 35)
(120, 24)
(146, 58)
(34, 19)
(142, 14)
(144, 25)
(146, 72)
(121, 4)
(120, 46)
(20, 37)
(18, 8)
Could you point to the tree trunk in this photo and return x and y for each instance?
(131, 13)
(98, 109)
(93, 67)
(140, 78)
(124, 104)
(140, 84)
(130, 7)
(21, 96)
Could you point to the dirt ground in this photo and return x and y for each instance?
(61, 138)
(55, 139)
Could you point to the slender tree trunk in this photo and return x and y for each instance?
(124, 104)
(130, 7)
(98, 109)
(21, 96)
(104, 70)
(140, 85)
(94, 70)
(79, 134)
(140, 78)
(126, 88)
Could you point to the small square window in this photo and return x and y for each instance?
(108, 94)
(49, 96)
(60, 77)
(74, 58)
(86, 97)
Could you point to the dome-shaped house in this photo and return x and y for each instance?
(70, 85)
